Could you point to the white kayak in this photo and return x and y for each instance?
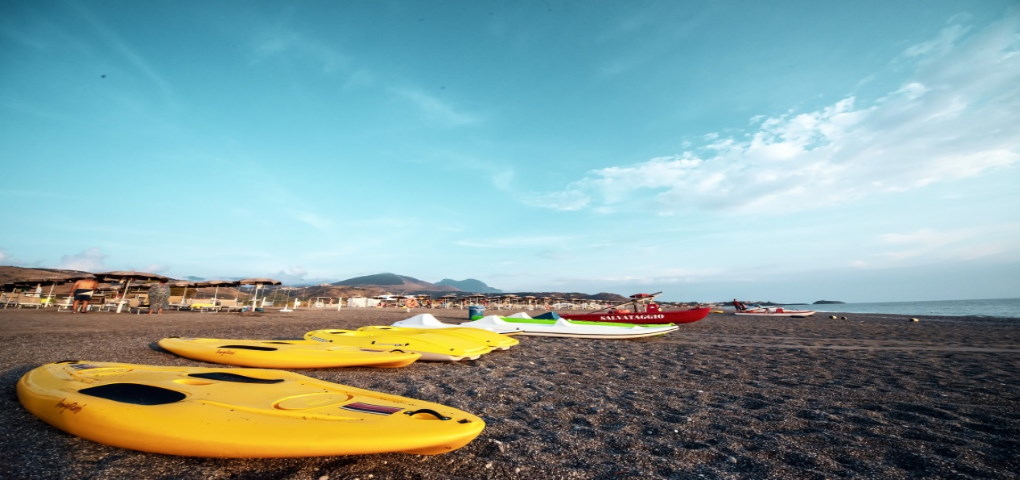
(566, 328)
(775, 312)
(425, 321)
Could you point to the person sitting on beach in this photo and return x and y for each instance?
(739, 305)
(82, 291)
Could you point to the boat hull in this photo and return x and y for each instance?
(775, 312)
(670, 316)
(568, 328)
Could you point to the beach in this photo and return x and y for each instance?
(874, 396)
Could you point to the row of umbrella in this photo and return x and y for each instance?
(128, 276)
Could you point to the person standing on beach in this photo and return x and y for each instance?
(159, 297)
(739, 305)
(82, 291)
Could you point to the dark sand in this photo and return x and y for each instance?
(873, 396)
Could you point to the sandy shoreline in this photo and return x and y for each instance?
(727, 397)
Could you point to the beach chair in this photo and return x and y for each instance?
(8, 299)
(108, 305)
(136, 305)
(228, 305)
(176, 302)
(202, 305)
(65, 304)
(25, 301)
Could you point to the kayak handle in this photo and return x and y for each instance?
(428, 411)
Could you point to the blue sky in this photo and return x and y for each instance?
(792, 151)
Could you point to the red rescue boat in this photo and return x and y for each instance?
(640, 309)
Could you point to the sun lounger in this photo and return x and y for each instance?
(64, 304)
(177, 302)
(25, 301)
(229, 306)
(8, 299)
(202, 305)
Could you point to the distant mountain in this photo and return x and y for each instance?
(469, 285)
(394, 283)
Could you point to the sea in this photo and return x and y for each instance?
(998, 308)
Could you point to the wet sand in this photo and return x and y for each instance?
(872, 396)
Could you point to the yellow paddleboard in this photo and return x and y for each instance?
(285, 353)
(235, 412)
(489, 339)
(431, 346)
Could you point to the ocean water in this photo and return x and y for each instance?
(1000, 307)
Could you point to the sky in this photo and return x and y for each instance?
(787, 151)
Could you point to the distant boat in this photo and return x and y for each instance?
(775, 312)
(568, 328)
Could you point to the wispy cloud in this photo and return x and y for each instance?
(930, 245)
(314, 220)
(290, 44)
(89, 260)
(956, 118)
(513, 242)
(434, 109)
(128, 54)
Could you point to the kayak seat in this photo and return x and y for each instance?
(135, 393)
(233, 377)
(251, 347)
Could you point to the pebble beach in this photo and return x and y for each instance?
(868, 396)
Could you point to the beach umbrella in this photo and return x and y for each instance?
(50, 282)
(185, 284)
(128, 275)
(217, 284)
(258, 282)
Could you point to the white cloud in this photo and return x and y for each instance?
(929, 245)
(921, 242)
(291, 275)
(90, 260)
(958, 117)
(514, 242)
(125, 51)
(434, 109)
(289, 44)
(314, 220)
(942, 43)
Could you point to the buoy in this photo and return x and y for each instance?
(842, 318)
(832, 317)
(915, 320)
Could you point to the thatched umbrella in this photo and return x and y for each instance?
(217, 284)
(258, 282)
(127, 275)
(53, 282)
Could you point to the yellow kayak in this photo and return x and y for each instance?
(285, 353)
(493, 340)
(235, 412)
(432, 347)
